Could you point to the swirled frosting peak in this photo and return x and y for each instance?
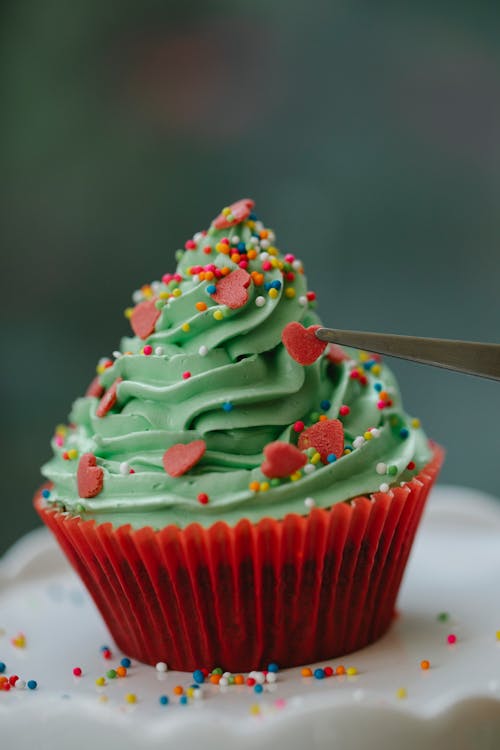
(203, 415)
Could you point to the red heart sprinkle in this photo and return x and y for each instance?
(336, 354)
(108, 400)
(181, 457)
(301, 343)
(231, 290)
(89, 476)
(95, 388)
(282, 459)
(326, 437)
(143, 318)
(239, 211)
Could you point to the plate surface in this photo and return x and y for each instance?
(454, 569)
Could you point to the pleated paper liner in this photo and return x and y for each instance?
(296, 591)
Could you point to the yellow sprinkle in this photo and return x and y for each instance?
(218, 315)
(351, 671)
(131, 698)
(272, 250)
(273, 293)
(177, 292)
(100, 369)
(290, 292)
(221, 247)
(316, 458)
(185, 327)
(226, 211)
(250, 224)
(147, 291)
(100, 681)
(61, 430)
(255, 709)
(264, 486)
(296, 475)
(367, 435)
(376, 370)
(103, 698)
(415, 423)
(72, 453)
(346, 452)
(498, 635)
(190, 692)
(401, 693)
(364, 356)
(164, 295)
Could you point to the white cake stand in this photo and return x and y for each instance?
(391, 703)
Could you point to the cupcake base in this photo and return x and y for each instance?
(296, 591)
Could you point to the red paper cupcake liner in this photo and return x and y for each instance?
(295, 591)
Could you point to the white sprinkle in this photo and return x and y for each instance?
(309, 468)
(358, 441)
(227, 674)
(195, 278)
(197, 237)
(303, 300)
(20, 684)
(198, 694)
(265, 244)
(297, 265)
(381, 468)
(137, 296)
(375, 432)
(259, 678)
(259, 226)
(156, 286)
(260, 301)
(159, 351)
(264, 256)
(309, 502)
(117, 354)
(203, 350)
(124, 468)
(384, 487)
(235, 239)
(252, 674)
(161, 666)
(223, 682)
(270, 235)
(271, 677)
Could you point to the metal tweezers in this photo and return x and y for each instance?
(462, 356)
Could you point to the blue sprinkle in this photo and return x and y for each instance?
(378, 387)
(242, 248)
(258, 688)
(198, 676)
(105, 648)
(183, 700)
(276, 284)
(325, 404)
(227, 406)
(267, 285)
(45, 493)
(3, 667)
(32, 684)
(125, 662)
(331, 458)
(319, 673)
(211, 289)
(348, 447)
(273, 667)
(368, 365)
(195, 686)
(163, 699)
(403, 433)
(253, 217)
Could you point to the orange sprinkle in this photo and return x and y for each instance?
(340, 670)
(215, 678)
(425, 664)
(252, 254)
(254, 486)
(258, 278)
(263, 234)
(306, 672)
(239, 679)
(201, 306)
(178, 690)
(236, 257)
(322, 417)
(225, 270)
(383, 395)
(121, 671)
(209, 275)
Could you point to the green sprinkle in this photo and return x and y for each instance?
(443, 617)
(111, 674)
(275, 482)
(392, 470)
(178, 255)
(217, 670)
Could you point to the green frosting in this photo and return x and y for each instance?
(230, 381)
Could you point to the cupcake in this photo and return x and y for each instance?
(231, 490)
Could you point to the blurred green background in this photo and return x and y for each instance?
(368, 134)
